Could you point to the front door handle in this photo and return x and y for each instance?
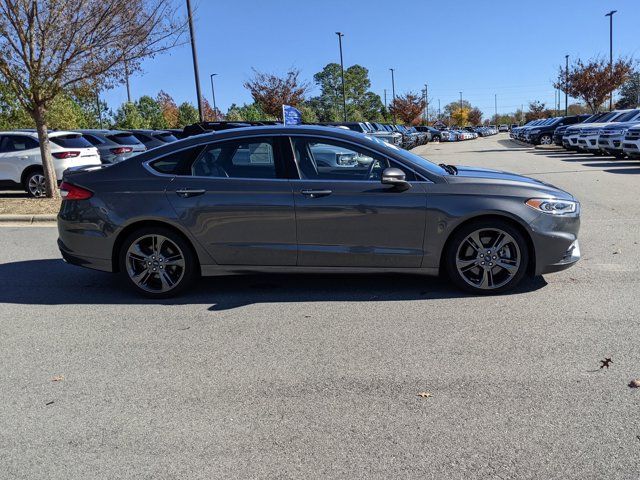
(190, 192)
(316, 193)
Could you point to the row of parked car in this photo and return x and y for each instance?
(21, 163)
(615, 133)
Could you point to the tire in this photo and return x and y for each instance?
(467, 265)
(158, 262)
(620, 155)
(34, 183)
(546, 140)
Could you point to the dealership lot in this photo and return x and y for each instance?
(317, 376)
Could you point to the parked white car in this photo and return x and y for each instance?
(21, 163)
(631, 145)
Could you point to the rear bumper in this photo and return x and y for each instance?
(81, 261)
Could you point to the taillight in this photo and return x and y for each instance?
(121, 150)
(73, 192)
(63, 155)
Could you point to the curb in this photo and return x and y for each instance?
(43, 220)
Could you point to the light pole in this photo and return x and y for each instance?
(196, 73)
(385, 98)
(99, 109)
(566, 86)
(610, 15)
(426, 102)
(126, 76)
(393, 93)
(344, 94)
(495, 102)
(213, 96)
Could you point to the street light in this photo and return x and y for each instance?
(495, 101)
(195, 60)
(610, 15)
(213, 95)
(344, 95)
(566, 86)
(426, 103)
(460, 100)
(393, 93)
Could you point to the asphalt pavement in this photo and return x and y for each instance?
(298, 376)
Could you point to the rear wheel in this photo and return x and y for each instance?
(487, 257)
(34, 184)
(158, 262)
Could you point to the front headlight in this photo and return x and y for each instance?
(553, 206)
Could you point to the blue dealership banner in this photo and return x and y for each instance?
(291, 115)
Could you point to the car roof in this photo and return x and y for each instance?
(98, 131)
(34, 133)
(147, 130)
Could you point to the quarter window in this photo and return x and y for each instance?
(328, 160)
(237, 159)
(174, 163)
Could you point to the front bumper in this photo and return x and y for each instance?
(555, 240)
(611, 143)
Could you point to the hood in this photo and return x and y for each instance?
(580, 126)
(487, 176)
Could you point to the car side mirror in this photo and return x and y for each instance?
(395, 177)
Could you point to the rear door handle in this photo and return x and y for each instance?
(316, 193)
(190, 192)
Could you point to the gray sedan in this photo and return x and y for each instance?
(114, 145)
(270, 199)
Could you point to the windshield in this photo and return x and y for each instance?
(609, 116)
(627, 116)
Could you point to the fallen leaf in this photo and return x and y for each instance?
(605, 363)
(49, 403)
(57, 378)
(635, 383)
(424, 394)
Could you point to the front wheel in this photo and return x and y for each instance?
(546, 140)
(158, 262)
(487, 257)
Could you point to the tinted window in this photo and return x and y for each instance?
(17, 143)
(71, 141)
(93, 140)
(124, 139)
(177, 162)
(166, 137)
(329, 160)
(237, 159)
(141, 137)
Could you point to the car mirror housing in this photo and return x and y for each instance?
(395, 177)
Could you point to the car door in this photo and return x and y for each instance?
(236, 201)
(346, 217)
(17, 152)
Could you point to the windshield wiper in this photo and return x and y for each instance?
(450, 169)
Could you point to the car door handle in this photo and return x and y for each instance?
(316, 193)
(190, 192)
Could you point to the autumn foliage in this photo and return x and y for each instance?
(408, 108)
(593, 81)
(271, 92)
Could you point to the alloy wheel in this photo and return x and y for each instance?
(488, 258)
(155, 263)
(545, 140)
(37, 186)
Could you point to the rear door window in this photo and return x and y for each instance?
(71, 141)
(124, 139)
(18, 143)
(250, 158)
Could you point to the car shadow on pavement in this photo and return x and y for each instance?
(53, 282)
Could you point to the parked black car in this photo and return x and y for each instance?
(558, 133)
(435, 133)
(310, 198)
(543, 134)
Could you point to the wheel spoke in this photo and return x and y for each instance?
(174, 261)
(474, 241)
(166, 281)
(142, 277)
(487, 279)
(464, 265)
(511, 268)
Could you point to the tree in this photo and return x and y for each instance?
(362, 104)
(169, 109)
(536, 111)
(49, 47)
(187, 114)
(128, 117)
(210, 115)
(593, 81)
(630, 92)
(248, 113)
(408, 108)
(151, 113)
(271, 92)
(475, 116)
(460, 116)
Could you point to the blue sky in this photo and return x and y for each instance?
(482, 48)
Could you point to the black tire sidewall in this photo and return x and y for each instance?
(461, 235)
(192, 270)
